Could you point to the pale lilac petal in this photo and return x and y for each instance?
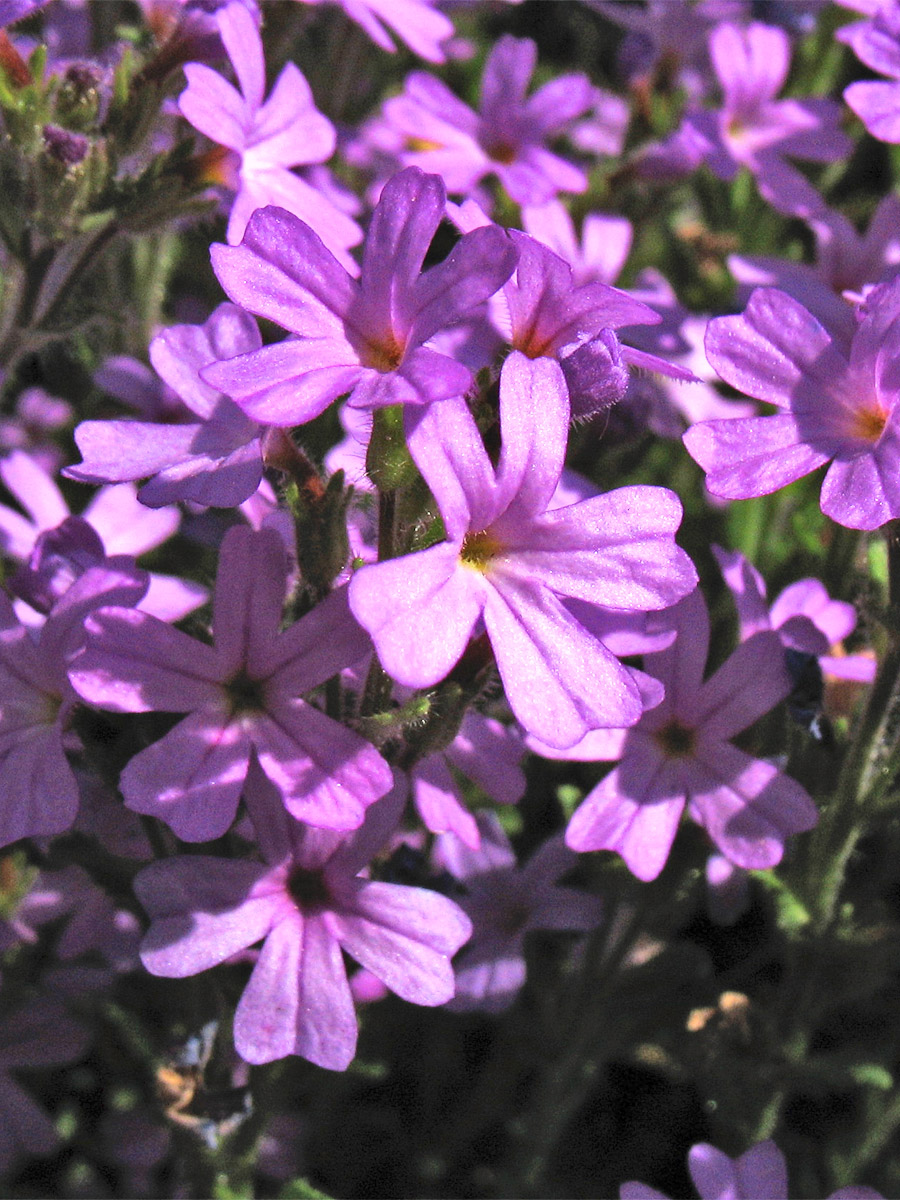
(534, 418)
(250, 592)
(322, 643)
(747, 806)
(327, 774)
(748, 684)
(447, 447)
(507, 73)
(240, 36)
(681, 665)
(640, 1191)
(616, 550)
(116, 451)
(290, 382)
(877, 104)
(559, 681)
(751, 63)
(420, 610)
(760, 1174)
(423, 377)
(203, 910)
(863, 491)
(773, 349)
(406, 937)
(192, 778)
(836, 619)
(125, 525)
(382, 820)
(487, 986)
(136, 663)
(282, 271)
(438, 803)
(489, 754)
(34, 490)
(752, 456)
(179, 352)
(856, 667)
(289, 131)
(479, 263)
(213, 106)
(298, 1000)
(635, 811)
(749, 591)
(555, 105)
(271, 185)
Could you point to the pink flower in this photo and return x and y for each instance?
(309, 902)
(243, 695)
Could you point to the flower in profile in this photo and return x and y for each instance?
(310, 901)
(758, 1174)
(803, 615)
(243, 697)
(214, 459)
(507, 138)
(263, 138)
(753, 129)
(505, 902)
(838, 406)
(368, 338)
(511, 560)
(680, 754)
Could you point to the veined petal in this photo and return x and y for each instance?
(327, 774)
(559, 681)
(283, 271)
(250, 590)
(192, 778)
(290, 382)
(298, 1000)
(752, 456)
(203, 910)
(534, 420)
(420, 611)
(748, 684)
(135, 663)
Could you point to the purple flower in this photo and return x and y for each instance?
(753, 129)
(803, 615)
(510, 560)
(541, 312)
(370, 338)
(877, 43)
(215, 460)
(309, 902)
(846, 262)
(243, 696)
(40, 792)
(266, 137)
(681, 754)
(758, 1174)
(505, 902)
(124, 527)
(836, 406)
(507, 138)
(417, 22)
(37, 416)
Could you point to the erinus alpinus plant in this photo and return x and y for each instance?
(450, 608)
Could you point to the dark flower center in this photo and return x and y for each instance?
(307, 889)
(245, 694)
(676, 740)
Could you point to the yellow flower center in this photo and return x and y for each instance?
(478, 549)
